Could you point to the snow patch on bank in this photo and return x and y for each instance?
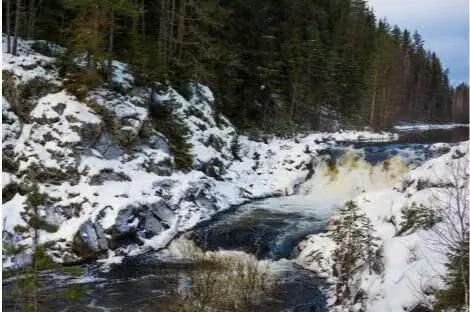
(427, 127)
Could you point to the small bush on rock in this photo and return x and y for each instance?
(80, 82)
(235, 148)
(216, 142)
(418, 217)
(166, 122)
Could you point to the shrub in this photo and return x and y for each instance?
(80, 82)
(166, 162)
(223, 282)
(418, 217)
(216, 142)
(455, 296)
(220, 121)
(166, 122)
(193, 111)
(235, 148)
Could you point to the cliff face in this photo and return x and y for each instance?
(108, 174)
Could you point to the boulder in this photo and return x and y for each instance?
(199, 193)
(23, 96)
(9, 164)
(90, 242)
(144, 221)
(439, 149)
(9, 191)
(125, 115)
(421, 308)
(214, 168)
(161, 168)
(108, 175)
(107, 147)
(90, 133)
(158, 142)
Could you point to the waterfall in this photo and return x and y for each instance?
(352, 173)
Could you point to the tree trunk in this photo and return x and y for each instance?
(374, 96)
(110, 46)
(31, 19)
(17, 26)
(294, 94)
(143, 21)
(382, 106)
(62, 22)
(8, 26)
(95, 33)
(386, 106)
(171, 36)
(162, 34)
(35, 293)
(181, 29)
(464, 276)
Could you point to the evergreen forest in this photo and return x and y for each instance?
(274, 65)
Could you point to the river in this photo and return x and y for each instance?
(268, 229)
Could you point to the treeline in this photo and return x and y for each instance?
(273, 64)
(460, 103)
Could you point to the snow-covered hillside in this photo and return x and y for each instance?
(108, 175)
(412, 255)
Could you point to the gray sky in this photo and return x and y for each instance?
(443, 24)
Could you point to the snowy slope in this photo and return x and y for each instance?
(412, 264)
(105, 168)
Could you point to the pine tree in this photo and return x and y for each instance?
(16, 31)
(8, 24)
(456, 295)
(27, 288)
(418, 217)
(355, 246)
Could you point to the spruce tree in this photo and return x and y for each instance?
(455, 297)
(356, 245)
(27, 287)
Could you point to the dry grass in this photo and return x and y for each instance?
(222, 281)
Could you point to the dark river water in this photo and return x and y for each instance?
(268, 229)
(453, 135)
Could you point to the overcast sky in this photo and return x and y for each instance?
(443, 24)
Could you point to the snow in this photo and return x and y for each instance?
(121, 75)
(28, 65)
(72, 109)
(11, 127)
(11, 214)
(427, 127)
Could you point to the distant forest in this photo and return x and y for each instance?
(273, 65)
